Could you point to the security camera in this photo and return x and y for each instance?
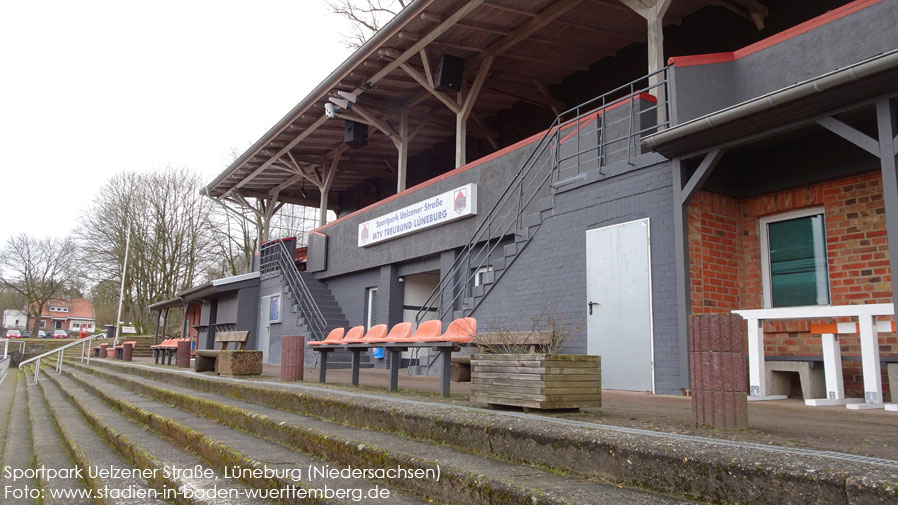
(330, 110)
(351, 97)
(339, 102)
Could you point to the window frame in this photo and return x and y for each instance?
(479, 274)
(274, 300)
(370, 318)
(766, 280)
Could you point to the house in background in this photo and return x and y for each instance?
(14, 319)
(70, 315)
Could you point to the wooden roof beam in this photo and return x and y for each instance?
(752, 10)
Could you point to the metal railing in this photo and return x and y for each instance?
(588, 135)
(6, 348)
(60, 350)
(275, 256)
(4, 367)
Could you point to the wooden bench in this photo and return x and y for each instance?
(239, 361)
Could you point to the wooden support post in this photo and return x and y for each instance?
(325, 185)
(887, 130)
(461, 119)
(653, 11)
(403, 152)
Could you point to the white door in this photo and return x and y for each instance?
(619, 304)
(265, 327)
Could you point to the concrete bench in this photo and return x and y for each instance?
(230, 362)
(809, 370)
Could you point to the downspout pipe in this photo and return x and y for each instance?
(845, 75)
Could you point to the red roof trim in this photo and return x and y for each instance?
(285, 239)
(827, 17)
(464, 168)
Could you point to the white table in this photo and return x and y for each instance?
(865, 314)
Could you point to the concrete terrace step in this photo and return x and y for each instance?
(90, 451)
(51, 452)
(710, 469)
(148, 451)
(222, 446)
(17, 453)
(465, 478)
(7, 395)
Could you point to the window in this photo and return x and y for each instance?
(480, 276)
(57, 325)
(274, 309)
(43, 323)
(793, 261)
(371, 307)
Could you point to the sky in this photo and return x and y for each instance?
(89, 89)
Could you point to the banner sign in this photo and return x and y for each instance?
(440, 209)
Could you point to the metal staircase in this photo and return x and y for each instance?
(315, 307)
(600, 132)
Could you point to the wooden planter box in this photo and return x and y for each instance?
(537, 381)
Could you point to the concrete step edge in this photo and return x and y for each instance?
(51, 451)
(96, 484)
(7, 389)
(711, 471)
(135, 453)
(216, 453)
(18, 452)
(459, 482)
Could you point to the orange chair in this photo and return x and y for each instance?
(425, 331)
(378, 330)
(460, 331)
(334, 337)
(398, 333)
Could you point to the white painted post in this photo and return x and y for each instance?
(757, 386)
(37, 370)
(5, 347)
(832, 367)
(59, 362)
(870, 365)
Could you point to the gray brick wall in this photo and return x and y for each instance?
(552, 269)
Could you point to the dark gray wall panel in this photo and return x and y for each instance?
(703, 89)
(552, 269)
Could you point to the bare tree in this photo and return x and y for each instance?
(365, 17)
(171, 236)
(38, 270)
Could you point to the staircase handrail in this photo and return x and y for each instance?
(550, 139)
(6, 347)
(60, 350)
(315, 320)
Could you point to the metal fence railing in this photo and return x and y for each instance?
(84, 342)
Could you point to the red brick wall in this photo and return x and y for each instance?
(725, 258)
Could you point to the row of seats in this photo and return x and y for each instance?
(166, 349)
(460, 331)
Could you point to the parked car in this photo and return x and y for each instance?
(60, 334)
(13, 334)
(44, 334)
(26, 334)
